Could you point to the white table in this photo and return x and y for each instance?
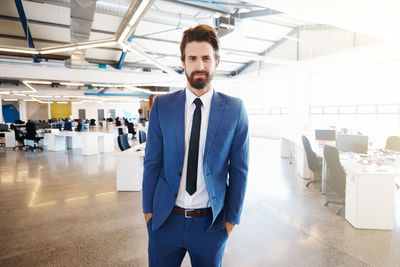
(370, 195)
(129, 169)
(292, 148)
(10, 139)
(91, 143)
(55, 142)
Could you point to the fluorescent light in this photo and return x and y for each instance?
(26, 100)
(138, 12)
(4, 93)
(62, 102)
(38, 82)
(20, 94)
(43, 102)
(19, 50)
(134, 19)
(98, 44)
(57, 50)
(29, 86)
(144, 55)
(57, 96)
(72, 84)
(102, 85)
(10, 99)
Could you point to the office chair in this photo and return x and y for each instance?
(393, 143)
(117, 122)
(31, 135)
(335, 176)
(123, 143)
(19, 137)
(314, 162)
(131, 129)
(142, 136)
(92, 123)
(81, 126)
(68, 126)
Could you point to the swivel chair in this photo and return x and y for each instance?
(123, 143)
(19, 138)
(314, 162)
(68, 126)
(393, 143)
(131, 129)
(335, 176)
(92, 123)
(31, 135)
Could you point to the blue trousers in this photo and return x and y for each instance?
(169, 243)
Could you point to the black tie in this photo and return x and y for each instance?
(193, 157)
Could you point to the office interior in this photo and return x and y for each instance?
(319, 81)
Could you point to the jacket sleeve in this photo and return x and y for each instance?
(238, 168)
(153, 161)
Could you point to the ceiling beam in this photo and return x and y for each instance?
(25, 26)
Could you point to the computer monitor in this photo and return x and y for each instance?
(353, 143)
(325, 135)
(3, 128)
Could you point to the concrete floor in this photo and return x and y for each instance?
(61, 208)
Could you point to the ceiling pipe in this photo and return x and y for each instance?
(155, 16)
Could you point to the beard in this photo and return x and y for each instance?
(200, 83)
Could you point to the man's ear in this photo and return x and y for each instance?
(183, 64)
(217, 63)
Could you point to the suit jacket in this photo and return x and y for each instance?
(225, 162)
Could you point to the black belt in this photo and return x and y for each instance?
(191, 213)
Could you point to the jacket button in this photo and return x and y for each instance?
(180, 173)
(175, 195)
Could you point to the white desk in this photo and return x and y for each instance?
(55, 142)
(10, 139)
(129, 169)
(370, 195)
(89, 142)
(292, 148)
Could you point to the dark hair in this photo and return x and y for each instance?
(200, 33)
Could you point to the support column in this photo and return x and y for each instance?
(1, 110)
(22, 111)
(49, 111)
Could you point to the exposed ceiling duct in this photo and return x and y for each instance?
(155, 16)
(82, 13)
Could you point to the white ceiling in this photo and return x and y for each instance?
(49, 26)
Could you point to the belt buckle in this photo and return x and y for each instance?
(186, 215)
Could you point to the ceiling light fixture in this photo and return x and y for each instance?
(102, 85)
(10, 99)
(19, 50)
(72, 84)
(137, 51)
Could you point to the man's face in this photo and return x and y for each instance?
(199, 64)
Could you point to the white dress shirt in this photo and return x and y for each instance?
(200, 198)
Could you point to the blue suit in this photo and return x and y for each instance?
(225, 162)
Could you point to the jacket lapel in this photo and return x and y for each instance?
(179, 119)
(216, 110)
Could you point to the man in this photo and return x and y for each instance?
(196, 163)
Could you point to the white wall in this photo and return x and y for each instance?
(91, 109)
(315, 42)
(361, 76)
(36, 111)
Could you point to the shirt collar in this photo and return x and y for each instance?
(206, 98)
